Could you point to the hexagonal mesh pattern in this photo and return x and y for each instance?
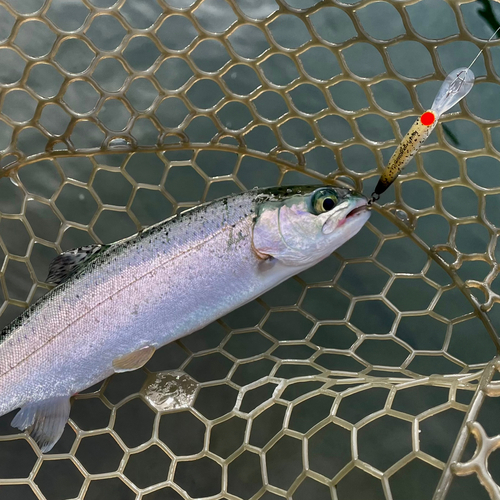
(360, 378)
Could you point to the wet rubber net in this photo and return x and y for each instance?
(372, 375)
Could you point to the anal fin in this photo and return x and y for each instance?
(45, 420)
(134, 360)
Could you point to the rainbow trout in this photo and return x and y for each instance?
(114, 305)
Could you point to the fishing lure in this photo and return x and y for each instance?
(454, 88)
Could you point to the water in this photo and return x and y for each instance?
(251, 393)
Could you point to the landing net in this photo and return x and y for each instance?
(372, 375)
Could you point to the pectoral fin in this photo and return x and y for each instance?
(134, 360)
(45, 421)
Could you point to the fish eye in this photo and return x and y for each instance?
(324, 200)
(328, 204)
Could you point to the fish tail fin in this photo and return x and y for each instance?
(45, 420)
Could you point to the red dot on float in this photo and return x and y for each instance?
(427, 118)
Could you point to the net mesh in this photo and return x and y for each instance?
(360, 378)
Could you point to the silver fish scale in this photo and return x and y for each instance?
(126, 293)
(115, 116)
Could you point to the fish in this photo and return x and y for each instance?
(114, 305)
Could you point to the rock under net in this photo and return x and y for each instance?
(360, 378)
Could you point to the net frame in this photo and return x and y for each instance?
(105, 143)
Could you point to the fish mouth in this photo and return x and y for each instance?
(351, 214)
(360, 207)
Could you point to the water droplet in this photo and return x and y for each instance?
(7, 161)
(119, 143)
(170, 390)
(81, 196)
(401, 215)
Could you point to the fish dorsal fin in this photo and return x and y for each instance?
(133, 360)
(66, 263)
(45, 421)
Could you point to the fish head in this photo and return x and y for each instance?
(300, 226)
